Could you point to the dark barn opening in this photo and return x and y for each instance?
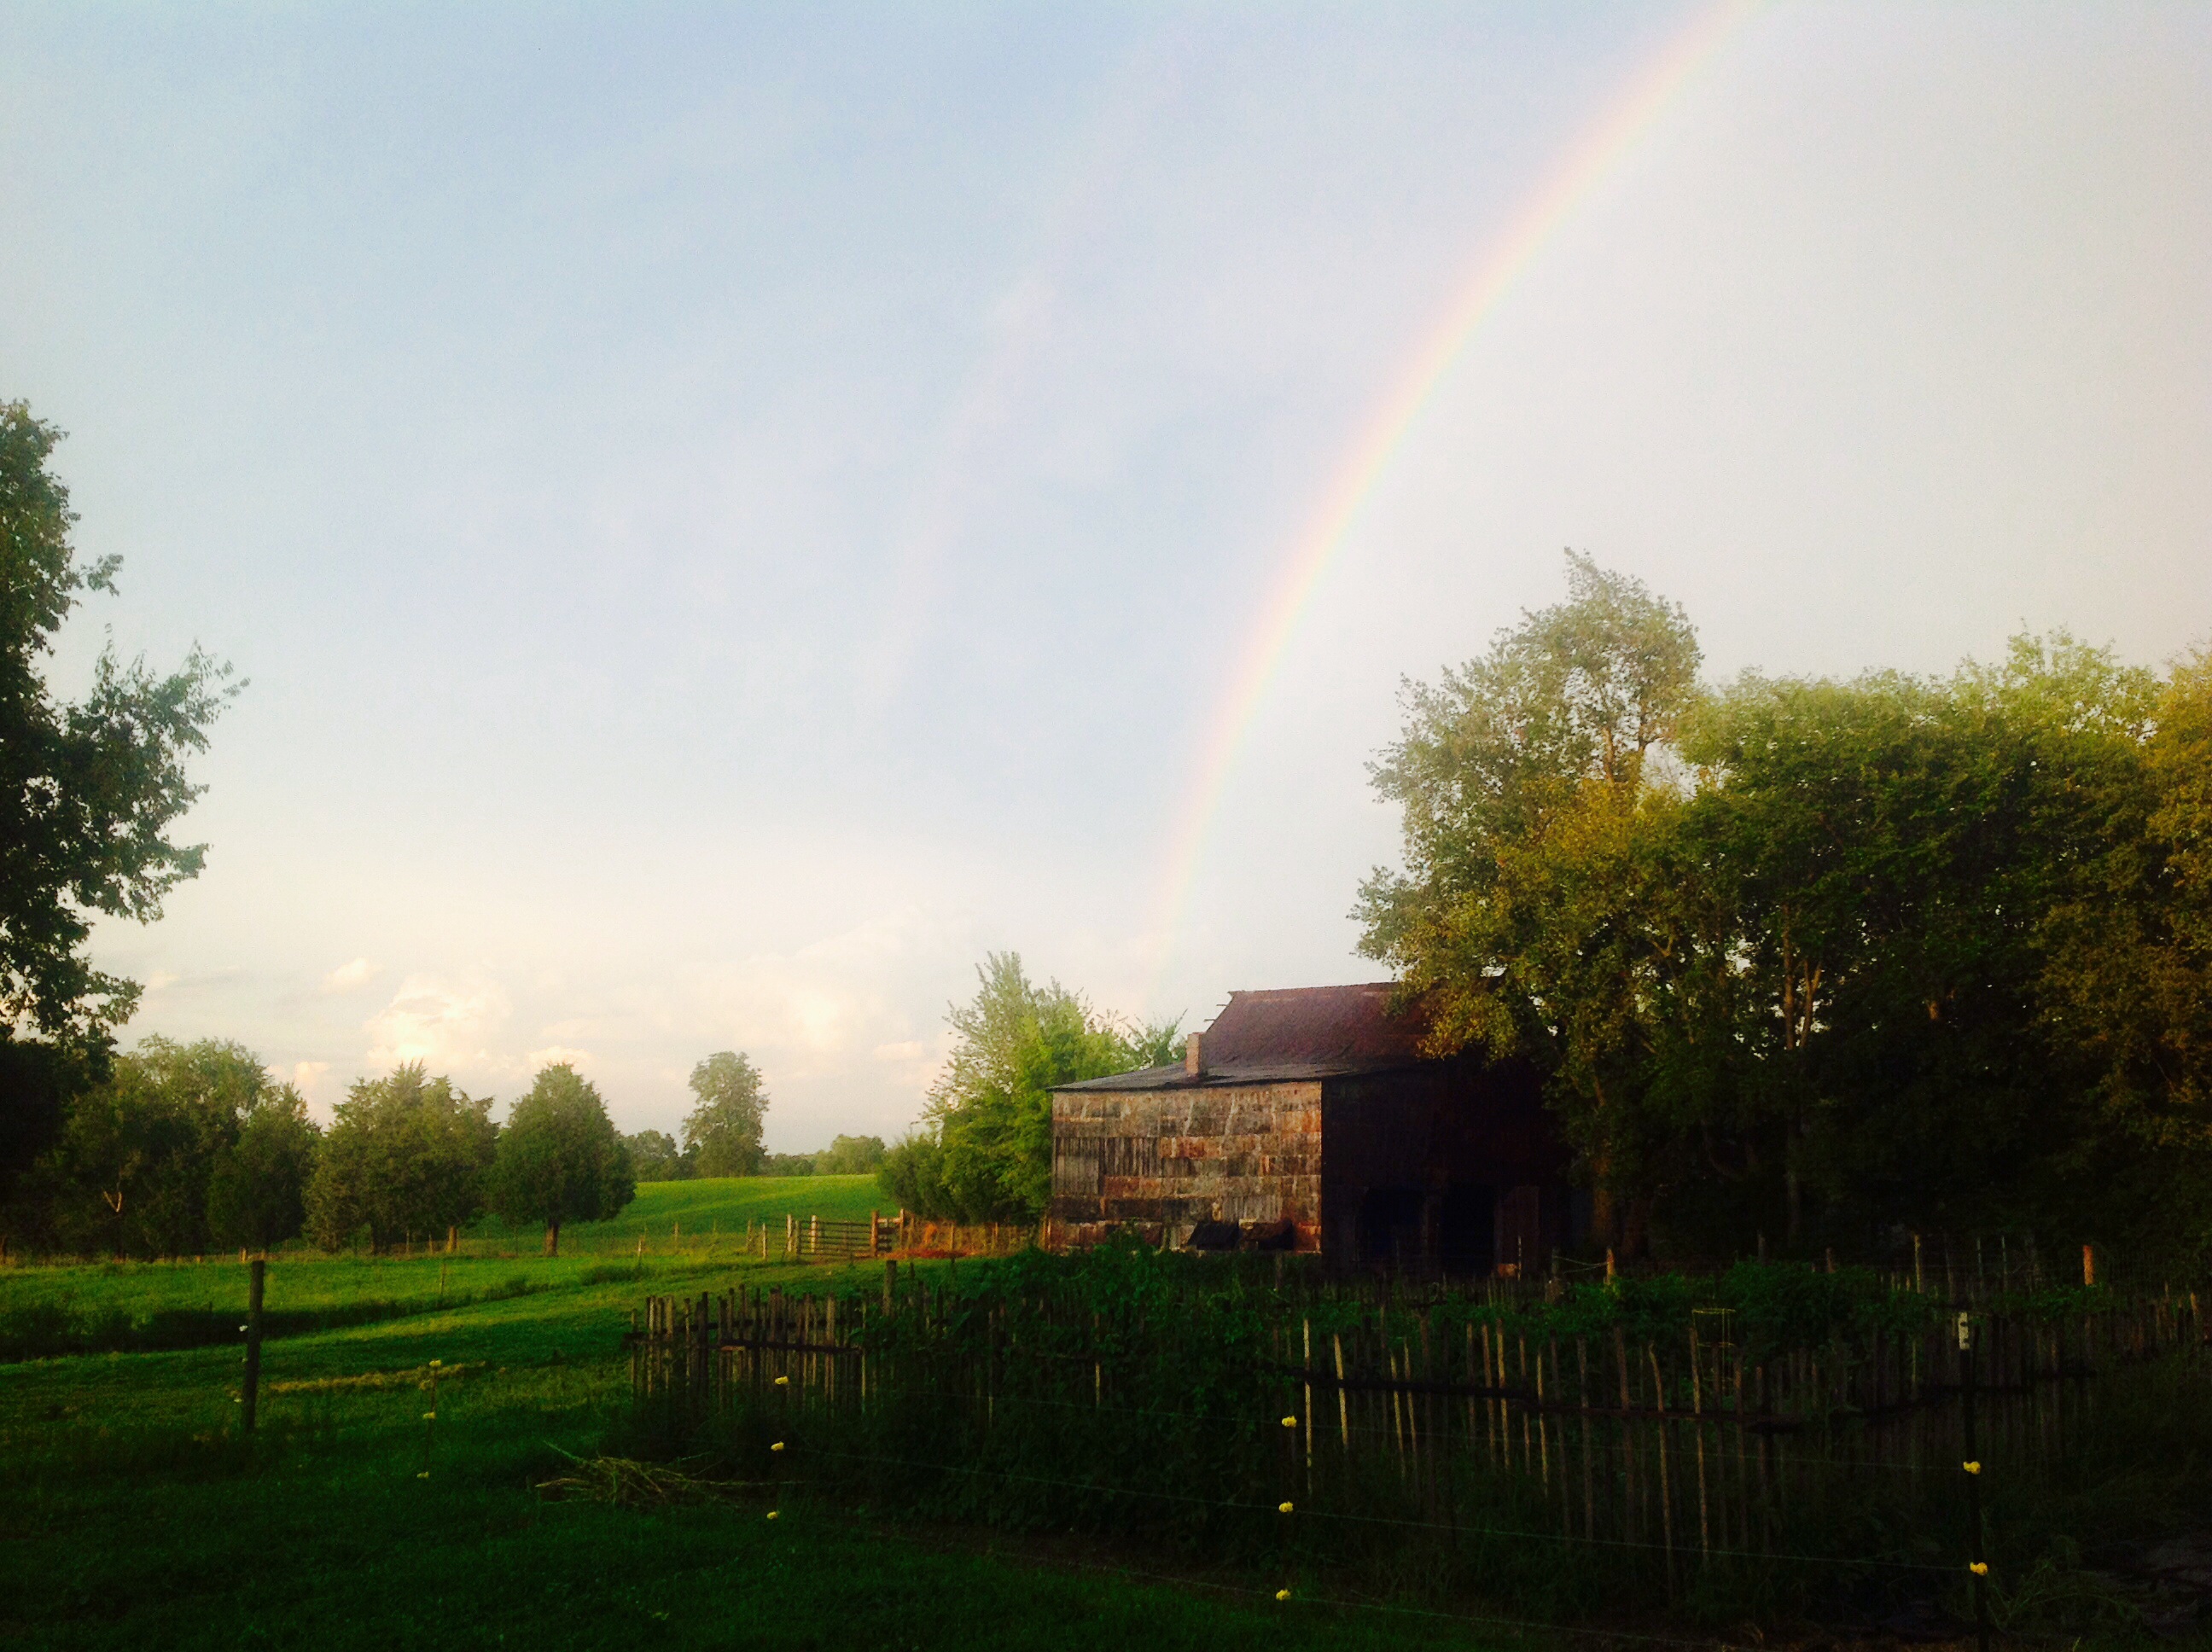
(1467, 1229)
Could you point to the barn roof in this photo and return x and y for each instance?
(1290, 1033)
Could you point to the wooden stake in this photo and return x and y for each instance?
(250, 1398)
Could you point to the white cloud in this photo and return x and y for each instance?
(307, 1077)
(445, 1026)
(348, 976)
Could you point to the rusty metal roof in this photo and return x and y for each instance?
(1290, 1033)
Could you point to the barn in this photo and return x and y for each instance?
(1308, 1119)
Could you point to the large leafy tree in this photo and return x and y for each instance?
(134, 1170)
(406, 1154)
(560, 1157)
(1823, 957)
(984, 1151)
(1537, 809)
(2127, 963)
(1896, 849)
(257, 1189)
(89, 790)
(722, 1132)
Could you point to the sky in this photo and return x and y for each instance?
(730, 514)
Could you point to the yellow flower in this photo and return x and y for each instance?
(1284, 1508)
(1282, 1595)
(1972, 1468)
(1289, 1422)
(778, 1446)
(783, 1383)
(771, 1514)
(1980, 1568)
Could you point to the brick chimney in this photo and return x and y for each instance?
(1193, 1056)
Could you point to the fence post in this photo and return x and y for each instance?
(250, 1397)
(1976, 1561)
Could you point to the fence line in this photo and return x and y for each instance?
(1698, 1449)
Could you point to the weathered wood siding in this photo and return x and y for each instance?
(1170, 1158)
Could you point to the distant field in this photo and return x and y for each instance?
(672, 1229)
(721, 1207)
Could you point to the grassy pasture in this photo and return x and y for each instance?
(98, 1307)
(714, 1208)
(132, 1514)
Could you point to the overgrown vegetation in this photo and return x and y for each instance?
(983, 1149)
(1815, 958)
(1160, 1400)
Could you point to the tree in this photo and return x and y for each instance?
(406, 1154)
(1902, 853)
(560, 1159)
(984, 1153)
(1525, 919)
(88, 789)
(655, 1157)
(132, 1172)
(257, 1191)
(912, 1175)
(724, 1129)
(849, 1155)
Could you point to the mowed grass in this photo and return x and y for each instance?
(678, 1226)
(722, 1207)
(133, 1514)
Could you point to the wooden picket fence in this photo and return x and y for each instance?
(1676, 1452)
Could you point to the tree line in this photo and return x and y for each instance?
(1820, 959)
(181, 1149)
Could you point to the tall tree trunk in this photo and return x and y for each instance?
(552, 1238)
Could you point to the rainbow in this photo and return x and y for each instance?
(1501, 265)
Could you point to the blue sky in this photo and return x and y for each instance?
(728, 513)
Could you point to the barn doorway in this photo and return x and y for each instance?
(1467, 1229)
(1390, 1225)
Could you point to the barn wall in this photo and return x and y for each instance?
(1169, 1158)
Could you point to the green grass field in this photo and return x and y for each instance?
(133, 1514)
(715, 1209)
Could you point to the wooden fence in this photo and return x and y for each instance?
(1677, 1449)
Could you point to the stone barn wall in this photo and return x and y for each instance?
(1155, 1159)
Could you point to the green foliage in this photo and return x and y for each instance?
(559, 1159)
(654, 1157)
(2129, 977)
(257, 1191)
(850, 1156)
(785, 1164)
(134, 1170)
(723, 1131)
(406, 1154)
(89, 790)
(1537, 913)
(912, 1175)
(1816, 958)
(984, 1153)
